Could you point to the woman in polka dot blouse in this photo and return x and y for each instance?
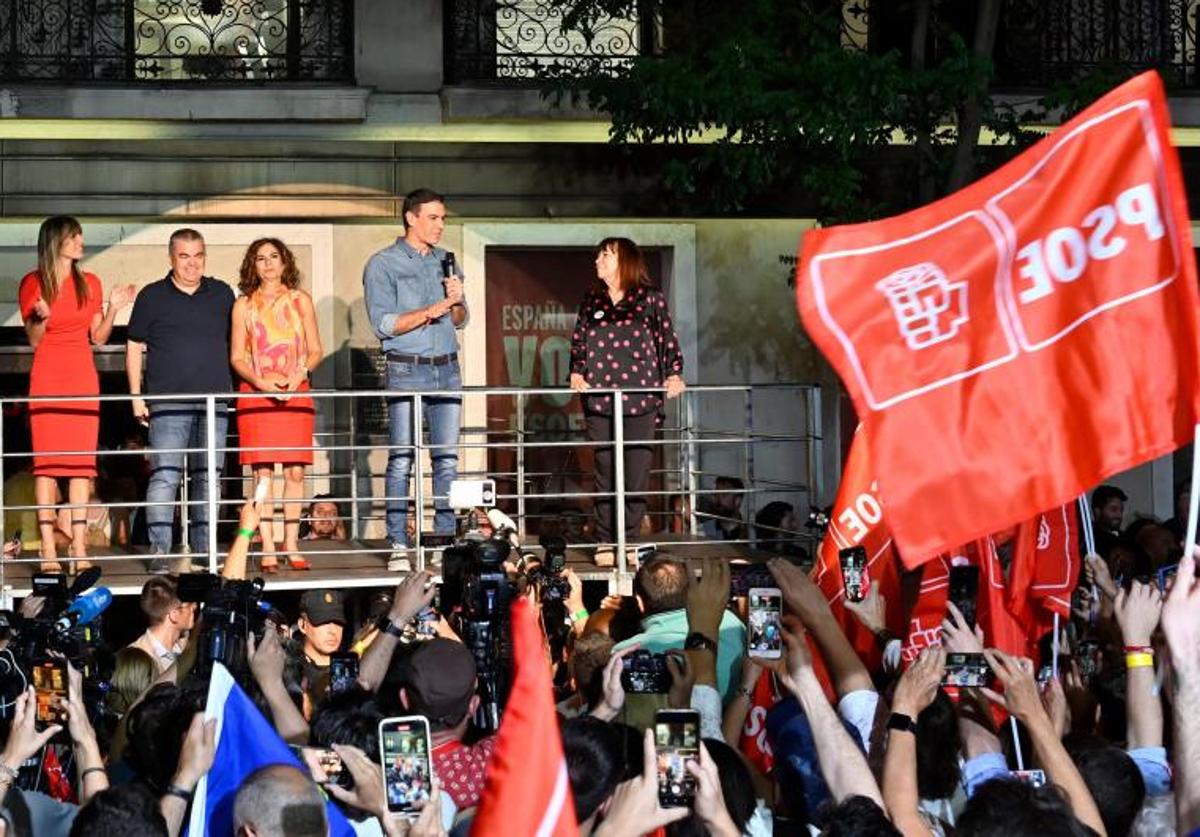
(623, 338)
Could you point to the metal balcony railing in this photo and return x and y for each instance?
(514, 41)
(183, 41)
(683, 438)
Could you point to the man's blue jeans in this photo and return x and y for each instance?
(442, 415)
(175, 425)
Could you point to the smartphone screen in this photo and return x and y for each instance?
(766, 613)
(343, 671)
(964, 591)
(676, 742)
(49, 686)
(405, 754)
(966, 670)
(854, 573)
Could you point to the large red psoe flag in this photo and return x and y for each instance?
(527, 789)
(1017, 342)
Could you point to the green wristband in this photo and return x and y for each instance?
(249, 533)
(579, 614)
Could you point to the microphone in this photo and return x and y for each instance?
(504, 525)
(84, 581)
(448, 265)
(84, 609)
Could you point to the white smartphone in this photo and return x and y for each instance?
(260, 490)
(405, 754)
(765, 634)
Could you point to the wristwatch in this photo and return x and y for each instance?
(698, 641)
(389, 627)
(902, 722)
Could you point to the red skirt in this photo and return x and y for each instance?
(266, 422)
(64, 425)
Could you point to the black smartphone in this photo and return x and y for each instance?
(854, 573)
(646, 673)
(343, 671)
(676, 742)
(966, 670)
(964, 591)
(404, 752)
(328, 760)
(50, 685)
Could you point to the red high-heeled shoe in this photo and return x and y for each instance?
(295, 562)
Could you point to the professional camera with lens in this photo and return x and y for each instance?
(232, 610)
(475, 597)
(646, 673)
(547, 575)
(67, 625)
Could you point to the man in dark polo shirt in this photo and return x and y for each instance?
(181, 323)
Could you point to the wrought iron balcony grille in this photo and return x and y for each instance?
(177, 40)
(1044, 43)
(517, 40)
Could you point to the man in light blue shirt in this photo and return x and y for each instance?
(661, 587)
(414, 298)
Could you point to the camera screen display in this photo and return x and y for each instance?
(766, 610)
(676, 742)
(646, 673)
(404, 747)
(50, 686)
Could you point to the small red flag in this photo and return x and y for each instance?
(527, 790)
(753, 742)
(857, 520)
(978, 335)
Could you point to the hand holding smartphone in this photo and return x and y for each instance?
(765, 634)
(964, 591)
(406, 754)
(676, 742)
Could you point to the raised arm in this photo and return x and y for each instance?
(412, 595)
(917, 689)
(807, 601)
(842, 763)
(383, 306)
(104, 318)
(1181, 624)
(1021, 699)
(1137, 612)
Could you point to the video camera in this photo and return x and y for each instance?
(476, 595)
(232, 609)
(67, 625)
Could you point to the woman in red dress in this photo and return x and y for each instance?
(274, 343)
(64, 315)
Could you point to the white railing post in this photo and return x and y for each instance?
(353, 470)
(689, 403)
(418, 472)
(619, 480)
(214, 487)
(521, 466)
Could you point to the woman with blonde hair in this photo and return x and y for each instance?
(64, 314)
(274, 343)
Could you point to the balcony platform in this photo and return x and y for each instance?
(349, 564)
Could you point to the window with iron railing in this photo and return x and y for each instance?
(178, 41)
(517, 40)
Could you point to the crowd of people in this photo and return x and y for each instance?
(1108, 743)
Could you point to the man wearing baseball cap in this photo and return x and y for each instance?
(438, 681)
(322, 622)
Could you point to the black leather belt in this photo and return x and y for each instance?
(440, 360)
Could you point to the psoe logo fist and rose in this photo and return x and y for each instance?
(1014, 275)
